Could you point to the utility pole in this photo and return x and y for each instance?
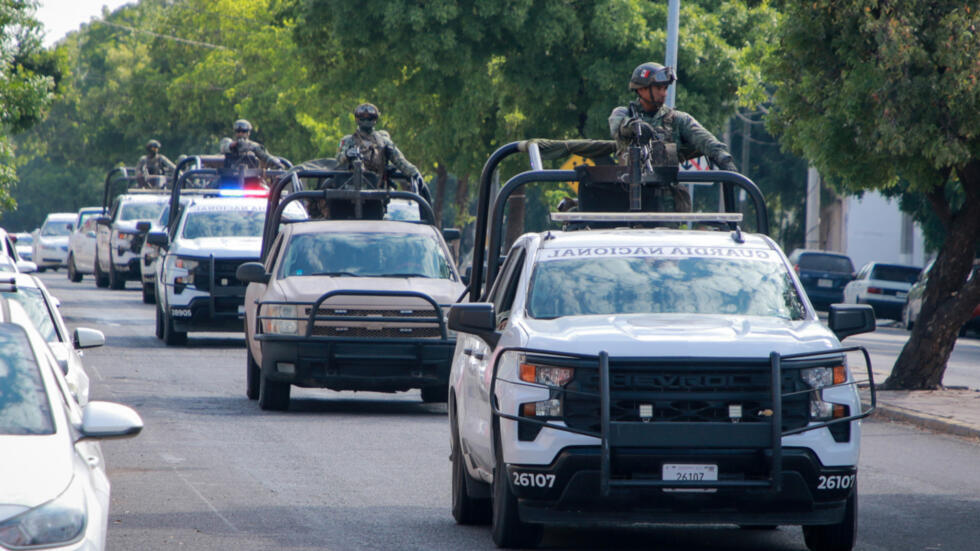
(673, 22)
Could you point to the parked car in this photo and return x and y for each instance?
(913, 304)
(42, 308)
(81, 244)
(23, 244)
(51, 241)
(823, 275)
(53, 484)
(884, 286)
(10, 259)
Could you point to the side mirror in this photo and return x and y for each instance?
(451, 234)
(87, 338)
(102, 420)
(467, 274)
(142, 226)
(26, 267)
(252, 272)
(476, 318)
(158, 238)
(850, 319)
(103, 220)
(71, 227)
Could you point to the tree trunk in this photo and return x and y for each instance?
(440, 197)
(949, 298)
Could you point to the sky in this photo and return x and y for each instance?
(60, 17)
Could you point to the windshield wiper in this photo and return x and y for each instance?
(412, 274)
(336, 274)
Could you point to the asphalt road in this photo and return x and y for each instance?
(350, 470)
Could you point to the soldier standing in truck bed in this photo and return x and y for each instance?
(152, 164)
(241, 151)
(657, 121)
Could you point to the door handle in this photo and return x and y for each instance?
(470, 352)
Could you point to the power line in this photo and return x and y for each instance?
(166, 37)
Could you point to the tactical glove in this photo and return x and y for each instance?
(628, 129)
(725, 162)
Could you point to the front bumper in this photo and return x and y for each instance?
(129, 270)
(221, 312)
(575, 498)
(378, 365)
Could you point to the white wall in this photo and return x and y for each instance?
(874, 232)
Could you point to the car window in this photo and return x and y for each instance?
(826, 263)
(366, 254)
(33, 302)
(901, 274)
(574, 284)
(223, 223)
(506, 289)
(24, 406)
(140, 211)
(84, 217)
(54, 229)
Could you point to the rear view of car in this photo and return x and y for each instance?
(823, 275)
(884, 286)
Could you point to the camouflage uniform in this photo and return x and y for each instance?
(153, 165)
(377, 150)
(671, 126)
(237, 153)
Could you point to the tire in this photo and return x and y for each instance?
(73, 274)
(171, 336)
(116, 280)
(506, 526)
(273, 395)
(149, 294)
(466, 510)
(435, 394)
(101, 279)
(159, 322)
(41, 269)
(835, 537)
(252, 374)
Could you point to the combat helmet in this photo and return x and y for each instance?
(151, 144)
(366, 115)
(242, 125)
(651, 73)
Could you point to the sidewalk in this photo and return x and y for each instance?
(951, 411)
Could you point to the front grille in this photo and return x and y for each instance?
(224, 273)
(684, 392)
(384, 332)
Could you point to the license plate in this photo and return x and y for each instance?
(825, 283)
(693, 473)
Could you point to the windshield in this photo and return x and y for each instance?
(366, 255)
(140, 211)
(223, 223)
(86, 215)
(24, 239)
(684, 284)
(24, 407)
(54, 228)
(901, 274)
(37, 309)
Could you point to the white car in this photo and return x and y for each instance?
(884, 286)
(81, 243)
(118, 241)
(149, 253)
(53, 485)
(10, 259)
(51, 241)
(196, 285)
(23, 243)
(31, 293)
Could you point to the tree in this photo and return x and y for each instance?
(25, 83)
(876, 94)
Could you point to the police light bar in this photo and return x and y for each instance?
(243, 192)
(631, 217)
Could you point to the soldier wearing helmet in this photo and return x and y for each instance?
(153, 164)
(376, 149)
(241, 151)
(653, 120)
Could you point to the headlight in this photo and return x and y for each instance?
(281, 319)
(549, 375)
(184, 270)
(124, 237)
(60, 521)
(819, 378)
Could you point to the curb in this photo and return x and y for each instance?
(924, 420)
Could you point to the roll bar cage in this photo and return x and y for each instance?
(124, 174)
(490, 211)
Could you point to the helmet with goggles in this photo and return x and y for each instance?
(651, 74)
